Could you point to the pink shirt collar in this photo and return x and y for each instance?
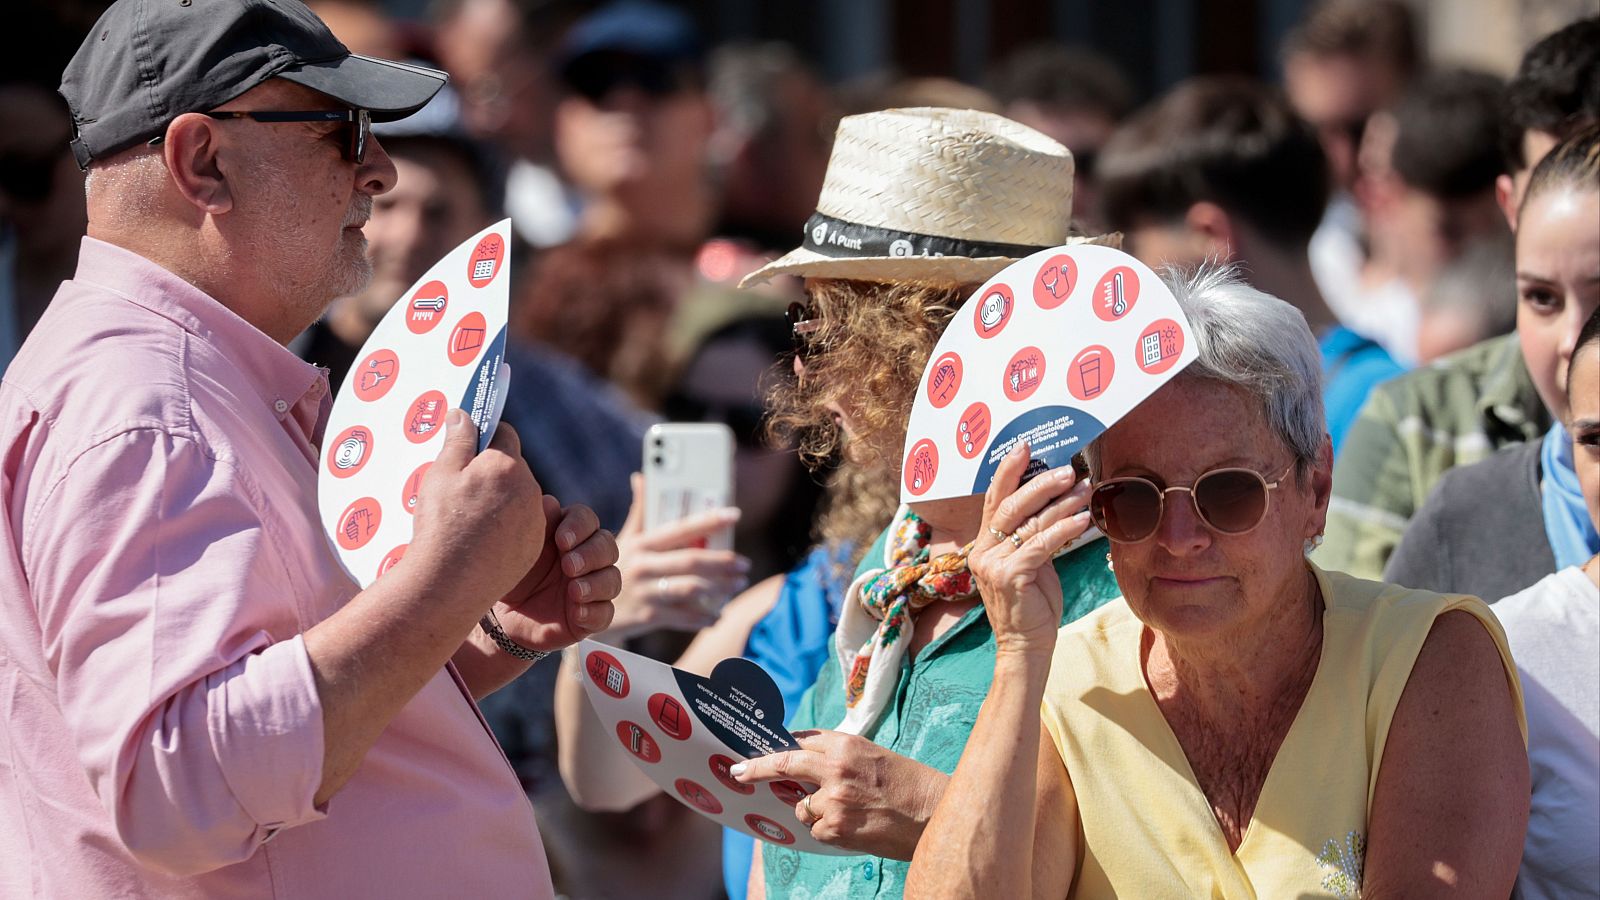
(282, 379)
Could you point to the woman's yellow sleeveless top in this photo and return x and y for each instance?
(1148, 830)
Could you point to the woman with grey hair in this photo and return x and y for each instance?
(1240, 723)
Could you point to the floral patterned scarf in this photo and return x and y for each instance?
(875, 627)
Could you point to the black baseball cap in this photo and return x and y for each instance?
(146, 62)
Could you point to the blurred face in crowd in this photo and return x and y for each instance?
(1336, 94)
(41, 189)
(1188, 580)
(1427, 232)
(1584, 410)
(627, 134)
(1558, 283)
(435, 205)
(506, 95)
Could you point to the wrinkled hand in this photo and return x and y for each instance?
(566, 595)
(669, 580)
(479, 522)
(1020, 588)
(867, 799)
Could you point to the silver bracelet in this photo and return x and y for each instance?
(491, 627)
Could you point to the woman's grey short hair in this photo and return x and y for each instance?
(1256, 342)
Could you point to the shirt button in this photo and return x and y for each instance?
(281, 406)
(866, 870)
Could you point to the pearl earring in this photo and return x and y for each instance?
(1110, 567)
(1312, 544)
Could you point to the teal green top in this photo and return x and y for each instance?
(935, 707)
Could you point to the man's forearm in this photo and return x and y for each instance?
(372, 656)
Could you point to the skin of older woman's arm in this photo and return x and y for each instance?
(1007, 825)
(598, 773)
(1451, 805)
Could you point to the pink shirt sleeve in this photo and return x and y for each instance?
(170, 624)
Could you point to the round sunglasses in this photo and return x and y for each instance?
(1230, 500)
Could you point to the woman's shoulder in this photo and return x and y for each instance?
(1375, 630)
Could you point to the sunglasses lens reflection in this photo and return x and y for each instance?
(1232, 501)
(1126, 511)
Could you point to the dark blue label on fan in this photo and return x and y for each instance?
(483, 390)
(739, 704)
(1054, 433)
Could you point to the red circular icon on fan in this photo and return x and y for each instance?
(375, 375)
(944, 379)
(607, 674)
(425, 309)
(413, 489)
(993, 311)
(1116, 293)
(467, 339)
(1024, 374)
(1090, 373)
(484, 263)
(637, 741)
(720, 766)
(790, 792)
(697, 796)
(390, 558)
(769, 829)
(424, 417)
(350, 451)
(1055, 281)
(358, 523)
(922, 466)
(972, 430)
(1159, 347)
(670, 716)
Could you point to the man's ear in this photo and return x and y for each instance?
(190, 151)
(1504, 189)
(1212, 230)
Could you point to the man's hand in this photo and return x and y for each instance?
(566, 594)
(479, 520)
(868, 798)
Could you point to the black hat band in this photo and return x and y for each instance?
(846, 240)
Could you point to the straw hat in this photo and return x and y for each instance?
(938, 196)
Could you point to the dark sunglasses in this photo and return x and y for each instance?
(745, 420)
(1228, 500)
(596, 76)
(358, 127)
(802, 322)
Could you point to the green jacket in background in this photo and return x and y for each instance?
(1411, 431)
(935, 708)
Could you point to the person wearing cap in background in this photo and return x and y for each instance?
(633, 126)
(918, 208)
(200, 702)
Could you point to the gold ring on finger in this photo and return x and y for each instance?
(811, 814)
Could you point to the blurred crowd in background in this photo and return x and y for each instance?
(646, 169)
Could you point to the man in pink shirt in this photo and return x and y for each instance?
(195, 699)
